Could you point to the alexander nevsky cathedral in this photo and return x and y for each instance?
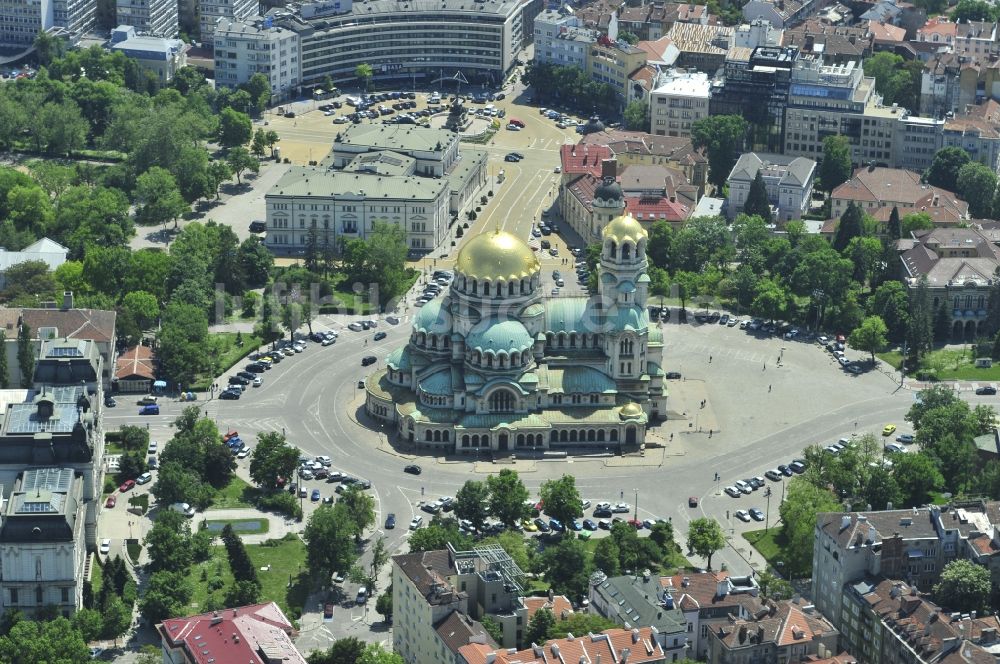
(496, 365)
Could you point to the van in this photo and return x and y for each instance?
(183, 508)
(150, 409)
(145, 478)
(516, 122)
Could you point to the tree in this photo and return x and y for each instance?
(770, 301)
(25, 354)
(383, 605)
(973, 10)
(343, 651)
(44, 642)
(977, 183)
(891, 303)
(606, 556)
(271, 459)
(895, 79)
(774, 587)
(329, 538)
(58, 128)
(507, 497)
(895, 228)
(374, 653)
(363, 71)
(964, 586)
(757, 203)
(850, 227)
(870, 337)
(438, 534)
(259, 89)
(867, 254)
(28, 281)
(241, 160)
(660, 239)
(561, 499)
(359, 508)
(471, 503)
(723, 138)
(566, 568)
(89, 623)
(143, 307)
(705, 538)
(917, 477)
(158, 197)
(183, 342)
(218, 172)
(239, 560)
(637, 115)
(168, 542)
(835, 168)
(803, 501)
(539, 626)
(259, 144)
(944, 170)
(920, 332)
(235, 128)
(167, 593)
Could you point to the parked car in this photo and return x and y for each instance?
(542, 526)
(888, 429)
(105, 546)
(733, 492)
(145, 478)
(315, 495)
(743, 515)
(905, 438)
(773, 475)
(895, 448)
(111, 501)
(692, 501)
(798, 466)
(416, 522)
(756, 514)
(127, 485)
(589, 524)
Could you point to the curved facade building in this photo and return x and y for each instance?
(495, 365)
(416, 42)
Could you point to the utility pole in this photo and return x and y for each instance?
(767, 516)
(635, 516)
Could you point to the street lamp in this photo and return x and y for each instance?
(635, 516)
(767, 516)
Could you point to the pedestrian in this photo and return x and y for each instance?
(768, 388)
(765, 367)
(671, 438)
(623, 494)
(709, 359)
(421, 491)
(709, 433)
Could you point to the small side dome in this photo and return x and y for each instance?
(631, 411)
(608, 192)
(624, 229)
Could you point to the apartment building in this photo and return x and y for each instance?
(430, 586)
(779, 13)
(757, 33)
(561, 39)
(153, 18)
(876, 187)
(654, 20)
(976, 39)
(640, 600)
(836, 44)
(913, 544)
(786, 631)
(612, 62)
(257, 46)
(681, 99)
(620, 646)
(885, 620)
(702, 47)
(707, 600)
(422, 42)
(788, 180)
(77, 17)
(977, 131)
(637, 147)
(757, 88)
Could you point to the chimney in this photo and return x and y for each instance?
(635, 636)
(67, 300)
(742, 636)
(236, 637)
(845, 521)
(609, 168)
(623, 657)
(686, 581)
(491, 657)
(760, 634)
(722, 588)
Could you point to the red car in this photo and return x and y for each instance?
(635, 523)
(127, 486)
(232, 433)
(111, 501)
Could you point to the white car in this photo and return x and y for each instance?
(584, 503)
(622, 508)
(258, 381)
(602, 506)
(340, 120)
(895, 448)
(324, 460)
(743, 515)
(733, 492)
(329, 341)
(416, 523)
(355, 327)
(244, 453)
(105, 546)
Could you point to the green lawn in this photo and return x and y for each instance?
(140, 501)
(770, 544)
(676, 560)
(96, 574)
(252, 526)
(286, 560)
(947, 364)
(234, 494)
(225, 352)
(134, 548)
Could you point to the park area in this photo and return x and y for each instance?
(954, 363)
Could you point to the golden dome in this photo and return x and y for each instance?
(496, 256)
(623, 228)
(631, 411)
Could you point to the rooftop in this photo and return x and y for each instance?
(895, 185)
(428, 571)
(678, 149)
(402, 138)
(255, 634)
(612, 645)
(639, 600)
(458, 629)
(43, 506)
(785, 623)
(691, 84)
(136, 362)
(711, 590)
(301, 181)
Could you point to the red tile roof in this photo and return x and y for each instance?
(580, 159)
(136, 362)
(255, 634)
(608, 646)
(559, 605)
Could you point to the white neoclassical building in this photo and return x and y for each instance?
(497, 365)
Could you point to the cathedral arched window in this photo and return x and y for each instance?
(626, 251)
(502, 401)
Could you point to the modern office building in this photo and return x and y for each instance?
(76, 17)
(757, 87)
(21, 21)
(211, 11)
(681, 99)
(257, 46)
(152, 18)
(160, 55)
(419, 42)
(496, 365)
(788, 180)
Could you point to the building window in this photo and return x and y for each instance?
(13, 595)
